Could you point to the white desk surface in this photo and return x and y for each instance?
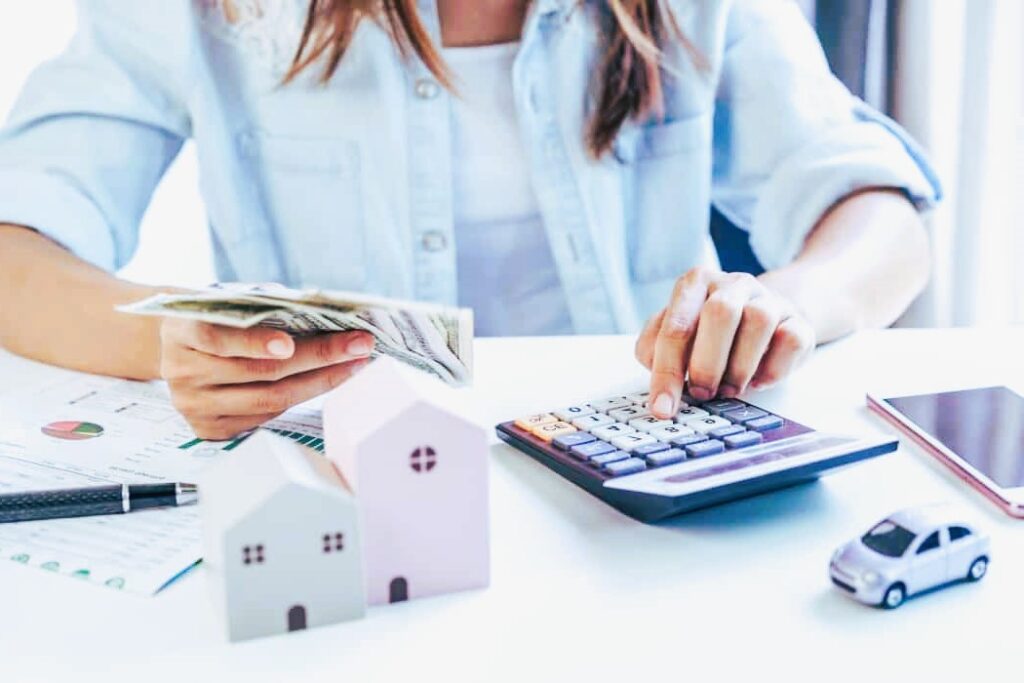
(582, 592)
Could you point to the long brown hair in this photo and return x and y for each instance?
(630, 76)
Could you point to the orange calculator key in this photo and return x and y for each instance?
(531, 421)
(549, 431)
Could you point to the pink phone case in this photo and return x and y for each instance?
(946, 456)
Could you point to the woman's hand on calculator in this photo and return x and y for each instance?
(722, 332)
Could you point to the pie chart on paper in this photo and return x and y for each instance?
(73, 430)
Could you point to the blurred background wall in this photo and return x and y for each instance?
(951, 71)
(174, 248)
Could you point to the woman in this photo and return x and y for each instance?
(550, 163)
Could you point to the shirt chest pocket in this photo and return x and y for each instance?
(309, 191)
(667, 186)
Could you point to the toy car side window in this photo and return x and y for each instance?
(930, 543)
(958, 532)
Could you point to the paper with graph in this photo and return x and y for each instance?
(90, 430)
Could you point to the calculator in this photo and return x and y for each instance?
(711, 452)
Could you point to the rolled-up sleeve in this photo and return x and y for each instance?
(92, 133)
(790, 139)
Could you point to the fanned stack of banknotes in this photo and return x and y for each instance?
(432, 338)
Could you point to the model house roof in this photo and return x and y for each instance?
(263, 465)
(385, 389)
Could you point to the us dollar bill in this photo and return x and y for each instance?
(434, 339)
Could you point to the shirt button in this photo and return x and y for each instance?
(427, 89)
(434, 241)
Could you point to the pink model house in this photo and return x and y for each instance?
(418, 469)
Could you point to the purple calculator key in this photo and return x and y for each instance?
(763, 424)
(683, 441)
(567, 441)
(643, 451)
(721, 405)
(722, 432)
(628, 466)
(744, 439)
(702, 448)
(669, 457)
(742, 415)
(606, 458)
(587, 451)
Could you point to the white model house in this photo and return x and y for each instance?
(281, 539)
(418, 468)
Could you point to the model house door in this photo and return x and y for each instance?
(297, 618)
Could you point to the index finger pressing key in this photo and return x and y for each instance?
(674, 341)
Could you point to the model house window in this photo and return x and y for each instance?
(252, 554)
(423, 459)
(334, 542)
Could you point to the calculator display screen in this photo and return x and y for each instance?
(984, 427)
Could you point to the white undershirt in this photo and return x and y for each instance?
(506, 272)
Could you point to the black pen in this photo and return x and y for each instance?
(95, 500)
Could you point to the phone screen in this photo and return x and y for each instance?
(984, 427)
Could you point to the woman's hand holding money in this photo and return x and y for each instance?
(226, 381)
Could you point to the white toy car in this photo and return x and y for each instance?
(910, 552)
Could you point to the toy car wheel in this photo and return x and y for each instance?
(978, 569)
(894, 596)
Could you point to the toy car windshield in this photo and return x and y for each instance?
(889, 539)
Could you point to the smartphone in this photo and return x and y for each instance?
(978, 433)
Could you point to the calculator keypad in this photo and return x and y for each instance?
(690, 412)
(590, 422)
(671, 431)
(547, 432)
(630, 442)
(707, 424)
(616, 435)
(611, 431)
(628, 413)
(531, 421)
(570, 413)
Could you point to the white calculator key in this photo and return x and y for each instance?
(671, 431)
(611, 431)
(640, 399)
(690, 413)
(647, 423)
(706, 424)
(590, 422)
(606, 404)
(570, 413)
(628, 442)
(628, 413)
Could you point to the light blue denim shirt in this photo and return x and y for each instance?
(349, 185)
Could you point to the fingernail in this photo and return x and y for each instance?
(360, 347)
(700, 393)
(281, 348)
(662, 405)
(728, 391)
